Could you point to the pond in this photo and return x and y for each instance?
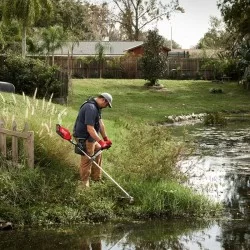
(220, 168)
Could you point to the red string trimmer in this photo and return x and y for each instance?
(65, 134)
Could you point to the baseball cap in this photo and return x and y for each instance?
(108, 98)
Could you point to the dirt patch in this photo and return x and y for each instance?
(158, 88)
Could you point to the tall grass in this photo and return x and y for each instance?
(142, 159)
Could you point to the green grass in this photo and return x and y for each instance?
(142, 158)
(132, 100)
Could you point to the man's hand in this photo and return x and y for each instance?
(107, 140)
(104, 145)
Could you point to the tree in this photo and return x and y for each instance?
(175, 45)
(236, 15)
(101, 23)
(100, 56)
(26, 12)
(135, 15)
(154, 61)
(216, 37)
(10, 37)
(53, 38)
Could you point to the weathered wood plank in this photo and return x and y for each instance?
(30, 150)
(28, 142)
(14, 144)
(3, 148)
(23, 135)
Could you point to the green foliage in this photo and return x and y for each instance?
(174, 44)
(221, 66)
(100, 56)
(243, 53)
(215, 118)
(154, 156)
(52, 38)
(73, 16)
(216, 38)
(216, 91)
(10, 37)
(26, 12)
(169, 199)
(28, 74)
(236, 16)
(153, 59)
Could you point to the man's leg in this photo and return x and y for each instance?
(85, 165)
(96, 172)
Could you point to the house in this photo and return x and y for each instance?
(111, 48)
(88, 48)
(138, 50)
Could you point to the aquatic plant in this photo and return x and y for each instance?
(215, 118)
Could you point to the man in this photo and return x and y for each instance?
(87, 131)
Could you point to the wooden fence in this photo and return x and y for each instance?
(130, 68)
(14, 152)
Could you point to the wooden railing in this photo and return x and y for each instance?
(27, 138)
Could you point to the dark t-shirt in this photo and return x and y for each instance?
(89, 114)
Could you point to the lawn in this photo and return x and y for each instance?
(132, 100)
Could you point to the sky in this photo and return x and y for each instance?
(189, 27)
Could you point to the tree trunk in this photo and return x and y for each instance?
(53, 59)
(24, 42)
(100, 69)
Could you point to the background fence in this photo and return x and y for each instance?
(17, 146)
(129, 68)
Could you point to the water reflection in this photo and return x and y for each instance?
(144, 235)
(150, 235)
(220, 167)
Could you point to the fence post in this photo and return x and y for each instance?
(3, 147)
(14, 144)
(29, 146)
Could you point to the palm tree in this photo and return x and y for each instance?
(53, 38)
(26, 12)
(100, 56)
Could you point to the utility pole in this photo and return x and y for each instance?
(171, 43)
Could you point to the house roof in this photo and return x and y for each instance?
(88, 48)
(140, 45)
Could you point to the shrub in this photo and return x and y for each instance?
(153, 60)
(154, 155)
(216, 91)
(27, 74)
(215, 119)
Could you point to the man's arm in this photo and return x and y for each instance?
(102, 129)
(92, 132)
(95, 136)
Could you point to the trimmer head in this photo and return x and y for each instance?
(130, 200)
